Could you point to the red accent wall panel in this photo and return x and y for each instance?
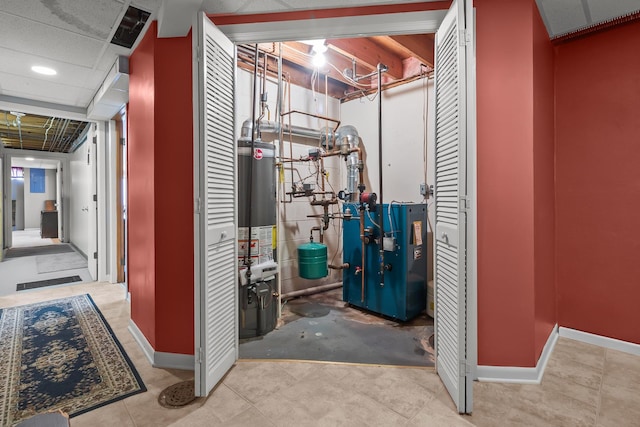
(160, 154)
(174, 195)
(544, 183)
(598, 183)
(505, 183)
(141, 186)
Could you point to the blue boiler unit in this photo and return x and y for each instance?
(402, 294)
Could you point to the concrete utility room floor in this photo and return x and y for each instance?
(323, 327)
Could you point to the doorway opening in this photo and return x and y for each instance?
(332, 139)
(36, 202)
(47, 214)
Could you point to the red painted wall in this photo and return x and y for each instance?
(505, 183)
(174, 195)
(141, 187)
(515, 266)
(161, 192)
(598, 183)
(543, 183)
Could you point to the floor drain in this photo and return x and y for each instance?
(178, 395)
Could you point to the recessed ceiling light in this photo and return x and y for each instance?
(44, 70)
(31, 159)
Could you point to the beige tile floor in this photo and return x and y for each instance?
(584, 385)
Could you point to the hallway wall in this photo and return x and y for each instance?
(598, 182)
(80, 198)
(34, 202)
(160, 196)
(17, 194)
(516, 296)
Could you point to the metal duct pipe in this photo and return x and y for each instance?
(347, 141)
(272, 128)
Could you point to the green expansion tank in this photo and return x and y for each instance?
(312, 260)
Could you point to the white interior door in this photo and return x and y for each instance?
(216, 319)
(92, 204)
(451, 206)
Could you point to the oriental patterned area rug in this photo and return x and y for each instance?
(60, 355)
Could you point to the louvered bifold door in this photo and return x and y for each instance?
(216, 268)
(450, 204)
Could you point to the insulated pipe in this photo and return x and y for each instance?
(381, 68)
(273, 128)
(313, 290)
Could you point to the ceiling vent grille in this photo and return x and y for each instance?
(130, 27)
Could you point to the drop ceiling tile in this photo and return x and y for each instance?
(93, 18)
(564, 16)
(224, 6)
(19, 64)
(48, 42)
(148, 5)
(603, 10)
(45, 91)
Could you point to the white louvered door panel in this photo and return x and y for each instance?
(216, 268)
(450, 192)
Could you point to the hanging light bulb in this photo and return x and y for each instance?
(319, 60)
(318, 50)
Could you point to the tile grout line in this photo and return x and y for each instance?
(604, 367)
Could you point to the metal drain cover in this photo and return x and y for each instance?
(178, 395)
(310, 309)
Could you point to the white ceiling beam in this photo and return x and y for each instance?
(14, 103)
(176, 16)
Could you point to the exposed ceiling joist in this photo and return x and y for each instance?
(294, 69)
(368, 54)
(419, 46)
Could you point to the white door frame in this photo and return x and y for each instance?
(400, 23)
(9, 155)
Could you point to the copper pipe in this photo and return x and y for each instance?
(319, 230)
(318, 116)
(322, 172)
(362, 271)
(340, 266)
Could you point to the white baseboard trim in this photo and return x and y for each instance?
(514, 374)
(600, 340)
(160, 359)
(141, 340)
(174, 361)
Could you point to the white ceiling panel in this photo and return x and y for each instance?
(25, 87)
(48, 42)
(603, 10)
(563, 15)
(148, 5)
(19, 64)
(93, 18)
(264, 6)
